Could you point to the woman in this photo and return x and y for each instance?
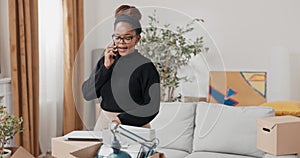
(114, 75)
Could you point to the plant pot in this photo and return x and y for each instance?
(7, 154)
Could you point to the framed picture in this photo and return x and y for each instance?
(237, 88)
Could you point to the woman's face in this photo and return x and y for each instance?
(125, 38)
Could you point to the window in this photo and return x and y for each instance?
(4, 40)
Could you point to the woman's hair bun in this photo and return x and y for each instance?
(129, 11)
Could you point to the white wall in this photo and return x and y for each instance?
(245, 31)
(4, 39)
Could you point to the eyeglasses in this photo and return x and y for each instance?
(126, 39)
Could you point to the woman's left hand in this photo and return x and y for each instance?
(117, 120)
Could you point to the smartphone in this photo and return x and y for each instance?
(115, 50)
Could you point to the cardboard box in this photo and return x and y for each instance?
(79, 149)
(158, 155)
(188, 99)
(279, 135)
(90, 152)
(71, 149)
(18, 152)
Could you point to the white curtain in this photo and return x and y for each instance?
(51, 71)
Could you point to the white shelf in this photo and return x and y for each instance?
(5, 80)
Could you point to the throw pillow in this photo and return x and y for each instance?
(174, 125)
(285, 107)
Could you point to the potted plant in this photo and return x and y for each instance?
(9, 126)
(170, 50)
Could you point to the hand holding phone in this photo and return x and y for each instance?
(115, 50)
(110, 54)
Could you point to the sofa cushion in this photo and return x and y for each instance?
(174, 125)
(214, 155)
(172, 153)
(227, 129)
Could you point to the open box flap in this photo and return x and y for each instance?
(88, 152)
(262, 123)
(20, 152)
(271, 122)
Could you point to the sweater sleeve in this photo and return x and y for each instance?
(131, 120)
(149, 76)
(92, 86)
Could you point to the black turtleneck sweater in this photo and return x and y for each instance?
(99, 84)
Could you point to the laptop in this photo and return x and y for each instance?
(84, 136)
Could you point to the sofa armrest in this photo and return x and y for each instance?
(285, 156)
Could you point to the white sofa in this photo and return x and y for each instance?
(203, 130)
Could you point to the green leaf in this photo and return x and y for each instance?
(170, 50)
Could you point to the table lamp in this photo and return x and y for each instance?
(116, 146)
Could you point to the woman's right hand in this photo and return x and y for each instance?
(109, 56)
